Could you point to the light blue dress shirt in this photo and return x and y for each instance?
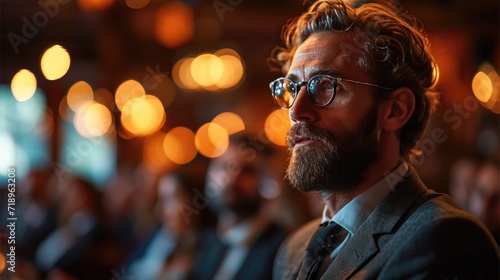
(354, 213)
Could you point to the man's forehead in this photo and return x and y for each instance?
(315, 56)
(324, 50)
(307, 52)
(307, 62)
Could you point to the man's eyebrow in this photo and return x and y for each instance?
(330, 72)
(292, 77)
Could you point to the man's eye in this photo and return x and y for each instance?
(326, 85)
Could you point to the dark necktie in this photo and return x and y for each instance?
(321, 245)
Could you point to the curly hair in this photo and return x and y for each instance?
(389, 44)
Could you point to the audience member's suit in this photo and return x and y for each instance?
(147, 260)
(29, 236)
(258, 264)
(73, 248)
(412, 234)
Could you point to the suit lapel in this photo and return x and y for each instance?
(382, 221)
(296, 250)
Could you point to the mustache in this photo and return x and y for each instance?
(308, 131)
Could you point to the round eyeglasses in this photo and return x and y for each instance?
(321, 90)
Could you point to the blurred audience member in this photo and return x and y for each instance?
(118, 199)
(244, 242)
(128, 201)
(37, 213)
(144, 197)
(462, 180)
(71, 248)
(169, 252)
(485, 198)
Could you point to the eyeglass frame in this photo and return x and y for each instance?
(336, 81)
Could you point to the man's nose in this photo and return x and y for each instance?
(302, 109)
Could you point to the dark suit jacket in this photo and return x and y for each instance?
(414, 233)
(258, 264)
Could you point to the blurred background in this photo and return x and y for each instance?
(103, 88)
(87, 85)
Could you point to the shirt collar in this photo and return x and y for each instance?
(354, 213)
(237, 234)
(246, 232)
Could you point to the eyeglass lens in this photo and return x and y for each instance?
(320, 89)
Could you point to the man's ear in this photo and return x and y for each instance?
(400, 110)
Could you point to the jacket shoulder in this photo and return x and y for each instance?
(442, 241)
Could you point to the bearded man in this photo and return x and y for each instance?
(358, 88)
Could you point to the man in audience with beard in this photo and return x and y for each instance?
(357, 85)
(245, 240)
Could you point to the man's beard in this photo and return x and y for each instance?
(339, 163)
(240, 202)
(241, 206)
(245, 207)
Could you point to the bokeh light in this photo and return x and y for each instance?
(213, 72)
(179, 145)
(486, 87)
(79, 119)
(23, 85)
(55, 62)
(231, 122)
(92, 119)
(79, 93)
(207, 70)
(233, 71)
(276, 126)
(143, 115)
(227, 51)
(97, 119)
(137, 4)
(182, 74)
(233, 68)
(127, 91)
(211, 140)
(154, 156)
(94, 5)
(174, 24)
(482, 87)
